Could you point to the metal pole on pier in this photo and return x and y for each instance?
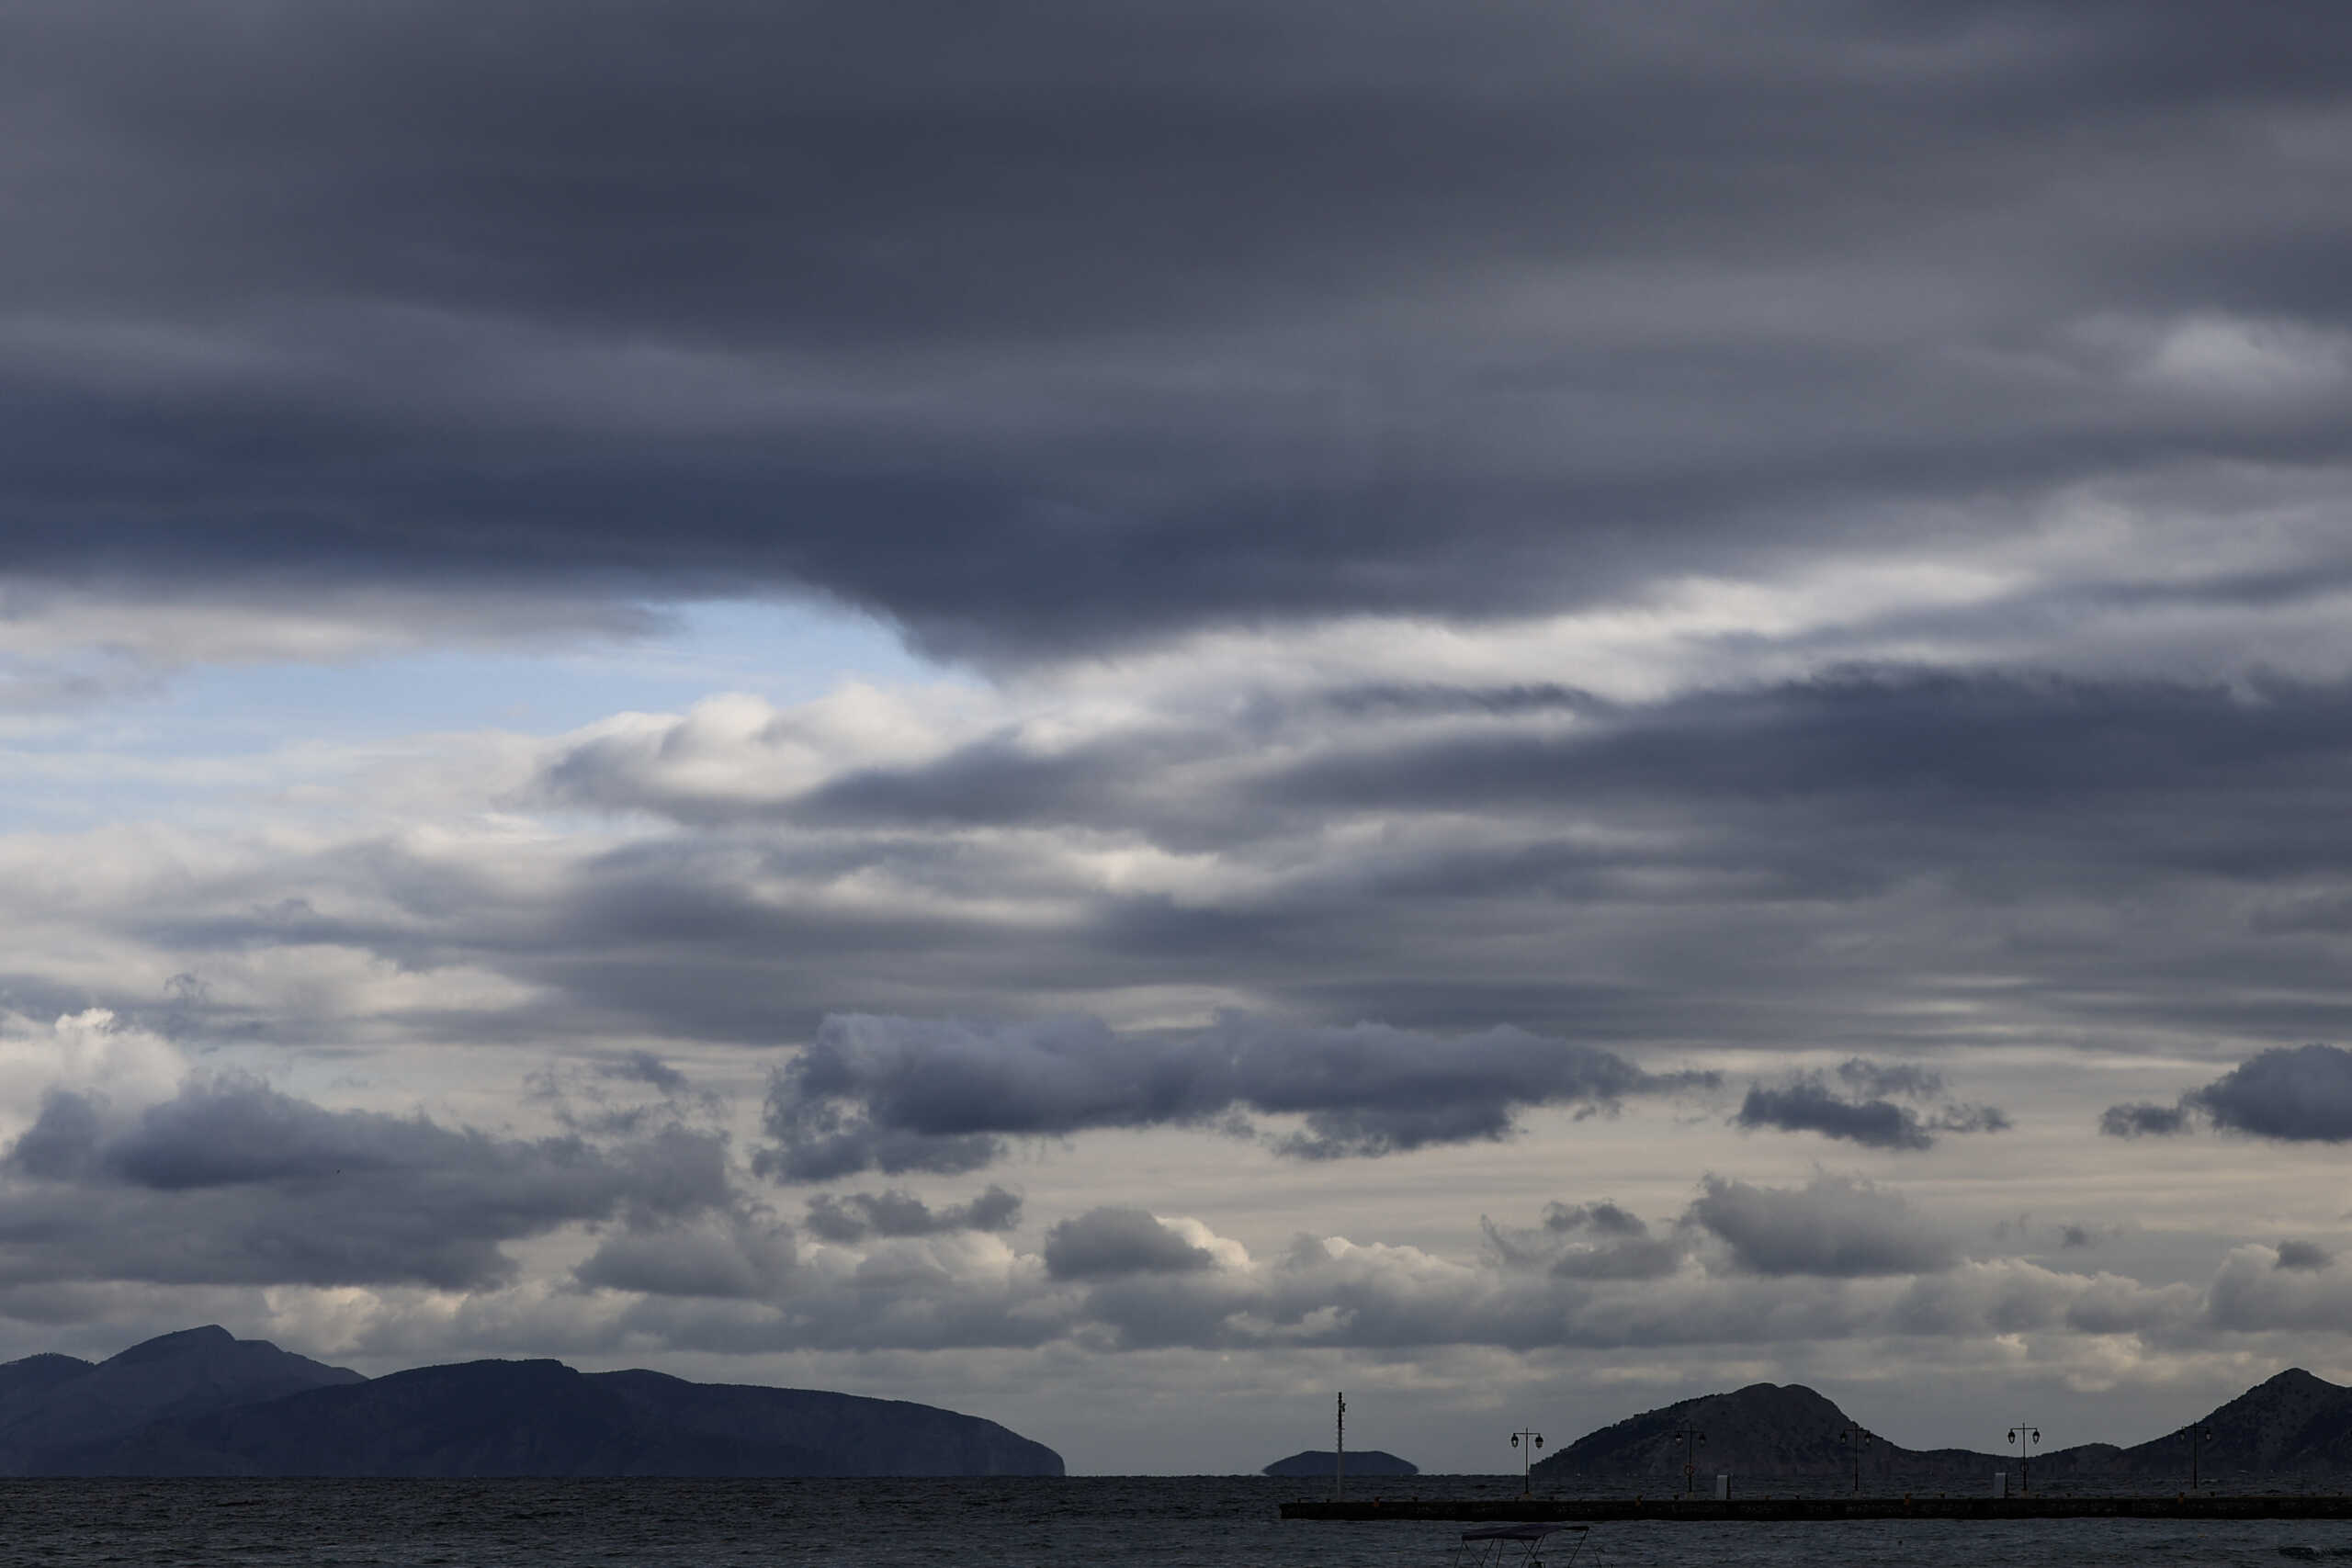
(2194, 1436)
(1690, 1440)
(2025, 1437)
(1339, 1452)
(1857, 1440)
(1527, 1458)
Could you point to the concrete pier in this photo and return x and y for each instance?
(1783, 1510)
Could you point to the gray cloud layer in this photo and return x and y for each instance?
(854, 1216)
(1113, 1242)
(2300, 1094)
(1836, 1260)
(1085, 326)
(1807, 1103)
(1834, 1227)
(1951, 816)
(1967, 387)
(230, 1181)
(1695, 869)
(2304, 1255)
(941, 1094)
(1589, 1240)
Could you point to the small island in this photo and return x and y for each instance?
(1318, 1463)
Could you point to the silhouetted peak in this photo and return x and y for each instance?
(1792, 1395)
(1789, 1404)
(2290, 1395)
(2296, 1378)
(187, 1342)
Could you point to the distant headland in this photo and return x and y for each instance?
(1318, 1463)
(2292, 1426)
(202, 1402)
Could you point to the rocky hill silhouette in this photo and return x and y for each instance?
(49, 1403)
(202, 1403)
(2294, 1426)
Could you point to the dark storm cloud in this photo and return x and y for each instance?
(943, 1094)
(1068, 328)
(2304, 1255)
(1999, 749)
(1805, 1104)
(2300, 1094)
(2142, 1120)
(232, 1182)
(854, 1216)
(1111, 1241)
(1072, 326)
(2304, 1094)
(1838, 1226)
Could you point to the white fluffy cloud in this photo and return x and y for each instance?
(92, 1052)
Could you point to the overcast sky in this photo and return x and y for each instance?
(1117, 714)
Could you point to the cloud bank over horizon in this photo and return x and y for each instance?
(1177, 705)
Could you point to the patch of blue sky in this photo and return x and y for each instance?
(150, 751)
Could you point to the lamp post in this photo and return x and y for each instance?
(2193, 1435)
(1690, 1440)
(2025, 1437)
(1527, 1458)
(1857, 1440)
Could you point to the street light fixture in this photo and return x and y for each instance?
(2025, 1437)
(1692, 1440)
(1527, 1457)
(1857, 1440)
(2193, 1437)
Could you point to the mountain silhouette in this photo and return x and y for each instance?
(2294, 1424)
(52, 1403)
(202, 1402)
(1762, 1430)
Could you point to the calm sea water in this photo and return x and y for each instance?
(1150, 1522)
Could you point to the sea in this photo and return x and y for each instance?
(1080, 1522)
